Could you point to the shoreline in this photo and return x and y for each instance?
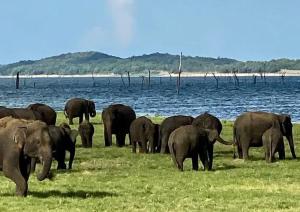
(288, 73)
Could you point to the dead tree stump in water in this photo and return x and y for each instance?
(149, 78)
(128, 76)
(18, 80)
(179, 74)
(217, 79)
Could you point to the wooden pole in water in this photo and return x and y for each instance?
(18, 80)
(143, 79)
(179, 73)
(217, 80)
(122, 80)
(128, 76)
(149, 78)
(254, 79)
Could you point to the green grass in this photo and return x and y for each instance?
(114, 179)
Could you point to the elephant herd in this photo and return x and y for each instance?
(188, 137)
(29, 135)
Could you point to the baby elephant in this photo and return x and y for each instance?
(190, 141)
(86, 131)
(273, 142)
(143, 131)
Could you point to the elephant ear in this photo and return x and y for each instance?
(212, 135)
(20, 136)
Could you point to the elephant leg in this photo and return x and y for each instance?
(203, 159)
(84, 142)
(13, 172)
(130, 142)
(25, 168)
(195, 162)
(245, 143)
(90, 141)
(164, 144)
(71, 120)
(87, 117)
(80, 118)
(120, 139)
(107, 136)
(281, 151)
(60, 157)
(134, 146)
(144, 146)
(180, 160)
(210, 156)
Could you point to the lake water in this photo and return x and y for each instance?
(196, 96)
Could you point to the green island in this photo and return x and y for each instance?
(99, 63)
(115, 179)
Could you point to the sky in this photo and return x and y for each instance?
(239, 29)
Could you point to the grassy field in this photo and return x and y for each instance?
(114, 179)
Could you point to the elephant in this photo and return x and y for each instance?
(142, 130)
(208, 121)
(63, 139)
(76, 107)
(21, 113)
(169, 125)
(48, 114)
(273, 142)
(86, 132)
(117, 119)
(20, 141)
(249, 128)
(189, 141)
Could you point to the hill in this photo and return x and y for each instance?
(96, 62)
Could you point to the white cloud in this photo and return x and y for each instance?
(122, 13)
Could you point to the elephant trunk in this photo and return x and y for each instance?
(223, 141)
(46, 157)
(291, 144)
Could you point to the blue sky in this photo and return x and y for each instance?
(240, 29)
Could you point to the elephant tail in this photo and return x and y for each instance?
(173, 154)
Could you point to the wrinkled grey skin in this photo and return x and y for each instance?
(117, 119)
(273, 142)
(20, 141)
(144, 132)
(190, 142)
(249, 128)
(168, 126)
(78, 107)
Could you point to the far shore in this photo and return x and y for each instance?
(164, 74)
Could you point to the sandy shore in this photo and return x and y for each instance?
(165, 74)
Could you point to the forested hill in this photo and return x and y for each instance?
(96, 62)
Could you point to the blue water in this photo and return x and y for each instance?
(196, 96)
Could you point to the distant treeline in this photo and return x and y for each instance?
(95, 62)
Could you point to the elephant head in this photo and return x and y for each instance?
(34, 139)
(91, 108)
(213, 136)
(286, 127)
